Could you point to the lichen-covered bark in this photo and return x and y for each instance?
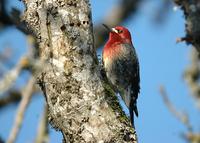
(71, 83)
(191, 10)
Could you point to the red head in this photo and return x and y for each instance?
(113, 48)
(119, 34)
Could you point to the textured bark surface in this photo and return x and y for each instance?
(191, 10)
(71, 84)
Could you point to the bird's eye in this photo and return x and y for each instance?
(120, 31)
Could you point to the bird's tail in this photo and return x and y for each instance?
(131, 109)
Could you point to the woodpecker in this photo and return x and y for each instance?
(121, 65)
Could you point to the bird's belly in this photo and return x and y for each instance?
(118, 83)
(110, 73)
(114, 76)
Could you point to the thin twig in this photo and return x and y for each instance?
(191, 76)
(42, 132)
(26, 95)
(27, 61)
(182, 117)
(15, 95)
(10, 77)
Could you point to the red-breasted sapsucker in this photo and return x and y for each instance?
(121, 64)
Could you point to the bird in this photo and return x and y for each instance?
(121, 64)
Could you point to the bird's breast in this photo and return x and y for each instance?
(111, 53)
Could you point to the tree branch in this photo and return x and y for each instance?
(190, 136)
(15, 95)
(42, 132)
(26, 94)
(191, 76)
(191, 11)
(182, 117)
(10, 77)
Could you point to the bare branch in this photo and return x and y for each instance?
(11, 96)
(15, 95)
(16, 21)
(42, 134)
(191, 76)
(182, 117)
(192, 28)
(26, 94)
(192, 138)
(10, 77)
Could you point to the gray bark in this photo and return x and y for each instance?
(191, 11)
(72, 85)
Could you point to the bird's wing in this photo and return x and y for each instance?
(129, 60)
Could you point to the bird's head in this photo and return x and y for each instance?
(119, 34)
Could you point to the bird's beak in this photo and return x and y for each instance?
(112, 30)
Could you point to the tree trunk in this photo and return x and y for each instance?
(72, 84)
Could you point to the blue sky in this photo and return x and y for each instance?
(162, 62)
